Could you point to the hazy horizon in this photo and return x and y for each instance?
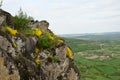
(91, 33)
(71, 17)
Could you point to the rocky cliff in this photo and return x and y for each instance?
(40, 56)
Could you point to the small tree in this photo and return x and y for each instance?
(21, 20)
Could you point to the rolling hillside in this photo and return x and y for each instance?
(95, 36)
(97, 57)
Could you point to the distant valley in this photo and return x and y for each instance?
(95, 36)
(97, 55)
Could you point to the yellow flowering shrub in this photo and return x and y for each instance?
(69, 53)
(11, 31)
(46, 40)
(37, 61)
(37, 32)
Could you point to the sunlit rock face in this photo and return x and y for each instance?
(22, 59)
(43, 25)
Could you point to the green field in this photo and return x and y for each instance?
(96, 59)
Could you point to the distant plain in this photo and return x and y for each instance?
(96, 55)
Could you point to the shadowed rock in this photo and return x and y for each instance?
(5, 18)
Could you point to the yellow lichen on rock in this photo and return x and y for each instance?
(11, 31)
(37, 32)
(69, 53)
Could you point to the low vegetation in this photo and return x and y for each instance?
(21, 20)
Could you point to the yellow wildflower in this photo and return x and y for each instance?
(36, 52)
(52, 37)
(60, 41)
(37, 61)
(14, 45)
(11, 31)
(69, 53)
(37, 32)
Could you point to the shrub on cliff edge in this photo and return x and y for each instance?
(21, 20)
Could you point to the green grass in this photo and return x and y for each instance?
(97, 68)
(78, 45)
(81, 45)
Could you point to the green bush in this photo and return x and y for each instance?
(44, 42)
(21, 20)
(47, 40)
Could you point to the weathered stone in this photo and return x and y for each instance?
(42, 25)
(60, 52)
(8, 72)
(72, 75)
(5, 18)
(4, 43)
(2, 20)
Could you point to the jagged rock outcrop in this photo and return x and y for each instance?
(5, 18)
(43, 25)
(24, 58)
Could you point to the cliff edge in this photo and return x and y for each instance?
(41, 55)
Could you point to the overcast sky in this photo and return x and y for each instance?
(71, 16)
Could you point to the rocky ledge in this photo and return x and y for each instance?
(40, 56)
